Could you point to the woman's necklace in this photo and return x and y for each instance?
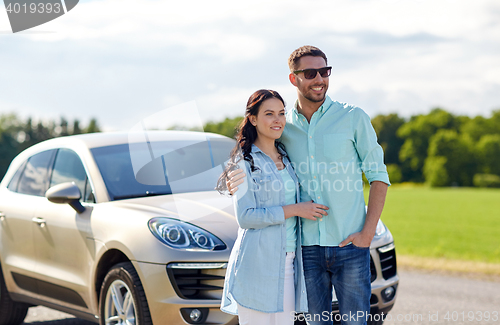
(278, 160)
(272, 153)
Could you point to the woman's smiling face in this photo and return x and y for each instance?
(270, 120)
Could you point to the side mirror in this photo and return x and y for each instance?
(66, 193)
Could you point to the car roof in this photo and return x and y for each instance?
(103, 139)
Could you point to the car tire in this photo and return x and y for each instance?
(11, 312)
(122, 288)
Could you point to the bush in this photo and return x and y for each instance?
(435, 172)
(486, 180)
(395, 175)
(489, 154)
(459, 162)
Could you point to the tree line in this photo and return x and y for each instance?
(17, 134)
(438, 148)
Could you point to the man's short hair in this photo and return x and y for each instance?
(306, 50)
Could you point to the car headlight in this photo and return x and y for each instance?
(182, 235)
(381, 228)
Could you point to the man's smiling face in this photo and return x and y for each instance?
(315, 89)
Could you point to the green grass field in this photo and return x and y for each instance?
(451, 223)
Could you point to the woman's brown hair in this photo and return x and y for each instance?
(246, 135)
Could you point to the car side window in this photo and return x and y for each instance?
(15, 179)
(89, 195)
(69, 168)
(34, 177)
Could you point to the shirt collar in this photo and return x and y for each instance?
(322, 109)
(257, 149)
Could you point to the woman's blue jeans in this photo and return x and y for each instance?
(348, 270)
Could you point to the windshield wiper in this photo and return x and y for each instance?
(146, 194)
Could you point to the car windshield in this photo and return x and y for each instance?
(162, 167)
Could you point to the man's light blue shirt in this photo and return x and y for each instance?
(329, 155)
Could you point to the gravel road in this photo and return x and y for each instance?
(423, 298)
(430, 298)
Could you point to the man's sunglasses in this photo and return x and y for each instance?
(311, 73)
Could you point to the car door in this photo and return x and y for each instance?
(64, 246)
(25, 191)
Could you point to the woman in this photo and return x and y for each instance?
(261, 286)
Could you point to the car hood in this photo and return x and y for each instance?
(208, 210)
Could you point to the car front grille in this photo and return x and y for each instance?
(388, 264)
(373, 270)
(197, 280)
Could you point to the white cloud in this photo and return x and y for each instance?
(114, 59)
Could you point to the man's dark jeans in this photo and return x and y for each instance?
(348, 270)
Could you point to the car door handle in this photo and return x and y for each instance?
(2, 216)
(39, 221)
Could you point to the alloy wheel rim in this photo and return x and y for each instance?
(119, 308)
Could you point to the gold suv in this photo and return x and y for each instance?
(126, 228)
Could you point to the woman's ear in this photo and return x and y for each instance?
(253, 120)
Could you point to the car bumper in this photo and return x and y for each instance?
(167, 307)
(384, 279)
(176, 289)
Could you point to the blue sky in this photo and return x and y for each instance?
(121, 61)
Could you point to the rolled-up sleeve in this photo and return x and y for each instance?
(370, 152)
(248, 215)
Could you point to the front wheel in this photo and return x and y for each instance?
(122, 299)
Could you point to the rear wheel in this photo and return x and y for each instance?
(11, 312)
(122, 298)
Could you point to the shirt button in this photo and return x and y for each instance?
(310, 137)
(314, 176)
(319, 197)
(312, 157)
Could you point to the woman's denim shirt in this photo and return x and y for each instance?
(256, 269)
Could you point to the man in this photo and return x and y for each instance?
(330, 144)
